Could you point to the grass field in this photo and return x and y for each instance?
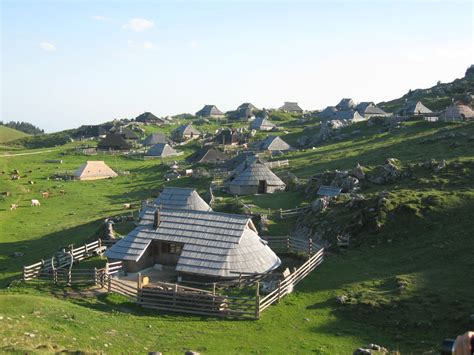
(8, 134)
(430, 253)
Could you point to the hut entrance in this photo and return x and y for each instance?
(262, 186)
(166, 253)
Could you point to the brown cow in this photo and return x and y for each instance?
(45, 194)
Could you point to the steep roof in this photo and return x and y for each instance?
(291, 107)
(94, 170)
(214, 244)
(181, 198)
(346, 104)
(156, 138)
(149, 117)
(262, 123)
(458, 111)
(209, 111)
(92, 131)
(415, 108)
(273, 143)
(247, 106)
(207, 155)
(233, 163)
(162, 150)
(186, 130)
(114, 141)
(369, 108)
(328, 112)
(348, 115)
(254, 173)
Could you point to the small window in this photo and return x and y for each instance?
(172, 248)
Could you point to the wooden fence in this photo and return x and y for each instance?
(284, 214)
(63, 259)
(287, 285)
(291, 244)
(277, 163)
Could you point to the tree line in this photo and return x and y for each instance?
(23, 127)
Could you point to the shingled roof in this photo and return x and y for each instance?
(348, 115)
(156, 138)
(227, 137)
(148, 117)
(94, 170)
(346, 104)
(262, 124)
(369, 109)
(181, 198)
(210, 111)
(458, 111)
(185, 130)
(114, 141)
(414, 108)
(214, 244)
(162, 150)
(254, 173)
(291, 107)
(207, 155)
(273, 143)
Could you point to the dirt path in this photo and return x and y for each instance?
(27, 153)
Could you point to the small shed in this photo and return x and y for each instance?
(273, 143)
(94, 170)
(369, 109)
(208, 155)
(291, 107)
(256, 178)
(262, 124)
(161, 150)
(149, 118)
(156, 138)
(458, 112)
(185, 132)
(414, 108)
(349, 115)
(114, 141)
(125, 132)
(346, 104)
(210, 111)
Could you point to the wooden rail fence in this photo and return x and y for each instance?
(291, 244)
(277, 163)
(63, 259)
(284, 214)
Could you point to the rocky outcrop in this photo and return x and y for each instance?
(386, 173)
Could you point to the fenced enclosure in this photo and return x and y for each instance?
(284, 214)
(246, 303)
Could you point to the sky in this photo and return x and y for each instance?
(68, 63)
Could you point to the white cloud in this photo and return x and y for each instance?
(148, 45)
(193, 44)
(139, 24)
(100, 18)
(47, 46)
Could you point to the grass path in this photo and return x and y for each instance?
(6, 155)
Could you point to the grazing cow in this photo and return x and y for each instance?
(31, 182)
(16, 172)
(62, 192)
(35, 203)
(6, 193)
(13, 206)
(15, 177)
(127, 205)
(45, 194)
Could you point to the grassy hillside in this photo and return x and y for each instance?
(425, 248)
(8, 134)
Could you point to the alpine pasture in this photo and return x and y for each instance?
(425, 248)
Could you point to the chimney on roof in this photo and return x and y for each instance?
(157, 218)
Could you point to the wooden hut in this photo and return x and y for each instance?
(94, 170)
(161, 150)
(195, 243)
(207, 155)
(414, 108)
(185, 132)
(227, 137)
(114, 141)
(273, 143)
(291, 107)
(256, 178)
(262, 124)
(369, 109)
(156, 138)
(149, 118)
(346, 104)
(458, 112)
(210, 111)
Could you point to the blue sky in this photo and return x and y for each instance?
(66, 63)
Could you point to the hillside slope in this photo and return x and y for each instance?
(438, 97)
(8, 134)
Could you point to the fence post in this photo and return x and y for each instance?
(281, 213)
(24, 273)
(175, 292)
(95, 277)
(310, 246)
(107, 268)
(69, 277)
(139, 281)
(279, 291)
(240, 280)
(55, 276)
(99, 245)
(257, 301)
(214, 289)
(288, 243)
(109, 285)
